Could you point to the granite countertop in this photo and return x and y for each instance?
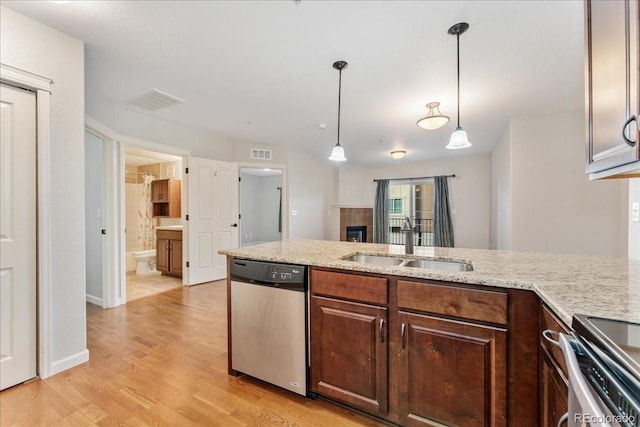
(569, 284)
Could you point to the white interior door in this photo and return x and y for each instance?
(17, 236)
(213, 217)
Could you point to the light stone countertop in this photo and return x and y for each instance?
(169, 227)
(570, 284)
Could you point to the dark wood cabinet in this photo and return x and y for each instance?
(166, 198)
(552, 372)
(612, 88)
(553, 392)
(349, 344)
(169, 252)
(452, 373)
(415, 352)
(349, 353)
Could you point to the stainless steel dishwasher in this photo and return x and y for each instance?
(268, 322)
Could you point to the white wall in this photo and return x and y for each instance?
(32, 46)
(501, 192)
(554, 207)
(310, 188)
(634, 226)
(469, 191)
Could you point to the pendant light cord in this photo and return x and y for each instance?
(339, 97)
(458, 42)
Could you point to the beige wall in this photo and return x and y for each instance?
(469, 191)
(554, 207)
(32, 46)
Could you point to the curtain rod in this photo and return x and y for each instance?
(414, 179)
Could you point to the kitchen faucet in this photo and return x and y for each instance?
(407, 228)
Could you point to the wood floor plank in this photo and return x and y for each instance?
(162, 360)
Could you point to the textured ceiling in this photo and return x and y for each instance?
(261, 71)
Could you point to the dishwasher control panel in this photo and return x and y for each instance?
(269, 273)
(288, 274)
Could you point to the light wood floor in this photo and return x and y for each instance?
(139, 286)
(162, 360)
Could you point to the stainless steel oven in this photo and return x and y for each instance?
(603, 363)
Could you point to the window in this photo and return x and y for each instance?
(413, 200)
(395, 206)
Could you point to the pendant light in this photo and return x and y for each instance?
(459, 137)
(337, 154)
(434, 118)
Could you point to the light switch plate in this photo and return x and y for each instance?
(635, 211)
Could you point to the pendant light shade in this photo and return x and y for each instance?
(337, 154)
(434, 118)
(459, 138)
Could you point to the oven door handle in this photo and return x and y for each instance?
(579, 389)
(563, 419)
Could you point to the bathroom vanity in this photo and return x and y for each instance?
(169, 251)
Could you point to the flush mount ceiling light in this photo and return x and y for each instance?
(337, 154)
(434, 118)
(459, 137)
(398, 154)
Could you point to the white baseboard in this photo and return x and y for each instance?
(94, 300)
(69, 362)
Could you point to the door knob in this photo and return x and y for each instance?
(234, 225)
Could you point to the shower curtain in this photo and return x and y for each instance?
(146, 230)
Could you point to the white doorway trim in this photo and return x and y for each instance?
(42, 86)
(114, 253)
(285, 192)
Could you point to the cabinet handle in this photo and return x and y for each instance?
(563, 420)
(627, 140)
(381, 331)
(402, 334)
(548, 335)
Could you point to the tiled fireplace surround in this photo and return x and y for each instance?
(356, 217)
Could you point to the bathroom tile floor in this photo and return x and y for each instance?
(139, 286)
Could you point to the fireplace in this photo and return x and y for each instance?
(356, 233)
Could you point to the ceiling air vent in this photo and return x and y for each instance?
(260, 154)
(154, 100)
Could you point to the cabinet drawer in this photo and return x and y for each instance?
(474, 304)
(350, 286)
(549, 321)
(169, 234)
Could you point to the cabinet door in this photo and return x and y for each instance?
(612, 83)
(553, 392)
(162, 254)
(160, 190)
(175, 262)
(349, 353)
(451, 373)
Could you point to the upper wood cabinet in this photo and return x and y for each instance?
(612, 88)
(166, 198)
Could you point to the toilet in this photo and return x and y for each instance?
(145, 261)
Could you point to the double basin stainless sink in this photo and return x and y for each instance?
(410, 262)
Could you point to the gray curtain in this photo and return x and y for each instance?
(381, 213)
(442, 225)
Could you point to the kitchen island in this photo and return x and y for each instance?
(422, 346)
(569, 284)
